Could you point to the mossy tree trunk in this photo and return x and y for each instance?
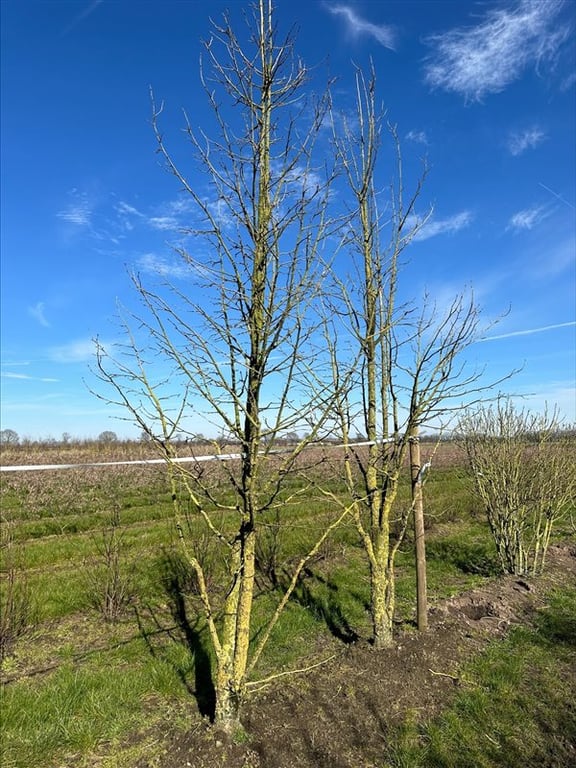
(406, 356)
(241, 341)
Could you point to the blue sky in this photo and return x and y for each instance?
(486, 90)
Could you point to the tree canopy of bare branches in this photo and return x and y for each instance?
(239, 342)
(408, 358)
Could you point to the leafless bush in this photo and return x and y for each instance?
(16, 603)
(523, 472)
(109, 587)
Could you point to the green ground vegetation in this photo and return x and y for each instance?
(76, 687)
(516, 708)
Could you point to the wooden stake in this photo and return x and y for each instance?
(419, 537)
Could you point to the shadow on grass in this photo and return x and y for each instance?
(557, 623)
(469, 557)
(192, 635)
(319, 595)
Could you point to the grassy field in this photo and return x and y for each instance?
(518, 709)
(81, 691)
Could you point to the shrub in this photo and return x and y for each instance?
(523, 471)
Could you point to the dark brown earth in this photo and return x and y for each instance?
(338, 714)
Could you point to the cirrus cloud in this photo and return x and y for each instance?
(382, 33)
(527, 218)
(419, 137)
(26, 377)
(79, 211)
(520, 141)
(478, 60)
(38, 312)
(450, 225)
(158, 265)
(80, 351)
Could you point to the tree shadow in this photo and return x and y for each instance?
(189, 633)
(469, 557)
(360, 598)
(323, 602)
(556, 624)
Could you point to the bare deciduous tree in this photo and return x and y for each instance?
(107, 436)
(408, 360)
(523, 471)
(241, 345)
(9, 437)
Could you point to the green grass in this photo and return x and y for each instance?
(518, 709)
(54, 523)
(448, 497)
(104, 687)
(70, 549)
(77, 709)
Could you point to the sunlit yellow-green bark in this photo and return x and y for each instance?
(375, 483)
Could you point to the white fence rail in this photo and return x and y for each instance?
(181, 460)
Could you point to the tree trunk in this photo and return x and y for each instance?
(228, 699)
(381, 601)
(232, 658)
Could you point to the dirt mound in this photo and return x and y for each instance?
(345, 708)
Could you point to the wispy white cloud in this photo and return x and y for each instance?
(542, 395)
(158, 265)
(303, 181)
(520, 141)
(78, 212)
(419, 137)
(382, 33)
(450, 226)
(89, 214)
(529, 331)
(182, 205)
(172, 215)
(568, 82)
(26, 377)
(38, 312)
(127, 209)
(80, 351)
(478, 60)
(163, 223)
(220, 210)
(528, 218)
(10, 375)
(126, 214)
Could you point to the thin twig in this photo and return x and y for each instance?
(266, 680)
(445, 674)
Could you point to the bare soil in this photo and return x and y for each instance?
(339, 714)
